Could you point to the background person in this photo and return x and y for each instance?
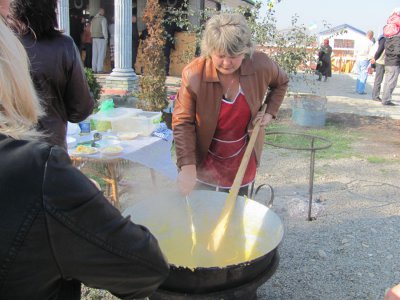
(324, 67)
(56, 67)
(135, 41)
(99, 32)
(378, 53)
(362, 61)
(87, 45)
(111, 30)
(76, 24)
(219, 100)
(392, 68)
(57, 229)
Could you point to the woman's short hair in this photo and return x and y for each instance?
(228, 34)
(40, 17)
(20, 108)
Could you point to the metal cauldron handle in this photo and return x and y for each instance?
(268, 202)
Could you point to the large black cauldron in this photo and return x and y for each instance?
(255, 228)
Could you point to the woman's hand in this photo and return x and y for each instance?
(187, 179)
(264, 118)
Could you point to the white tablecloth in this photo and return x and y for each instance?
(152, 152)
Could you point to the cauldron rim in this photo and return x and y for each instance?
(246, 263)
(209, 280)
(241, 291)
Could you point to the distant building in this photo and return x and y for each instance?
(343, 40)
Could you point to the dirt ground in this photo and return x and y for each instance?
(350, 251)
(377, 136)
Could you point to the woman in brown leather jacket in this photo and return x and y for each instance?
(218, 104)
(56, 228)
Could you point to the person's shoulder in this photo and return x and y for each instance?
(195, 67)
(195, 63)
(36, 150)
(64, 40)
(260, 55)
(260, 60)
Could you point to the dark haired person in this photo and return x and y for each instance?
(56, 67)
(324, 67)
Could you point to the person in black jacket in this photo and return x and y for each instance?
(56, 228)
(392, 68)
(56, 67)
(135, 41)
(379, 61)
(324, 67)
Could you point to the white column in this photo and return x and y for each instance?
(123, 40)
(63, 15)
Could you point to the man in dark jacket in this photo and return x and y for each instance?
(379, 61)
(135, 41)
(392, 68)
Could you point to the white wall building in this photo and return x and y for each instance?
(343, 39)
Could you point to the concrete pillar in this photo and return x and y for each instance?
(123, 71)
(63, 15)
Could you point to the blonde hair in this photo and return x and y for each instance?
(227, 34)
(19, 105)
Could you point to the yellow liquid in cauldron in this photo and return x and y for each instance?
(240, 243)
(252, 231)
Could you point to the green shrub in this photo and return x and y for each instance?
(94, 86)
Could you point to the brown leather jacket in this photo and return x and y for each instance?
(199, 99)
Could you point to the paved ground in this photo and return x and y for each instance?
(351, 250)
(340, 91)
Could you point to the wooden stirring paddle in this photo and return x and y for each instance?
(219, 231)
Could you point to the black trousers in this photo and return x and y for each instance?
(88, 58)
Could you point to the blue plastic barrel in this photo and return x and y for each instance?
(309, 110)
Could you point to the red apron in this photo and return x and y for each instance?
(228, 146)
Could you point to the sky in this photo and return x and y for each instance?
(361, 14)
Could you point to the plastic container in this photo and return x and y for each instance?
(116, 119)
(85, 126)
(145, 122)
